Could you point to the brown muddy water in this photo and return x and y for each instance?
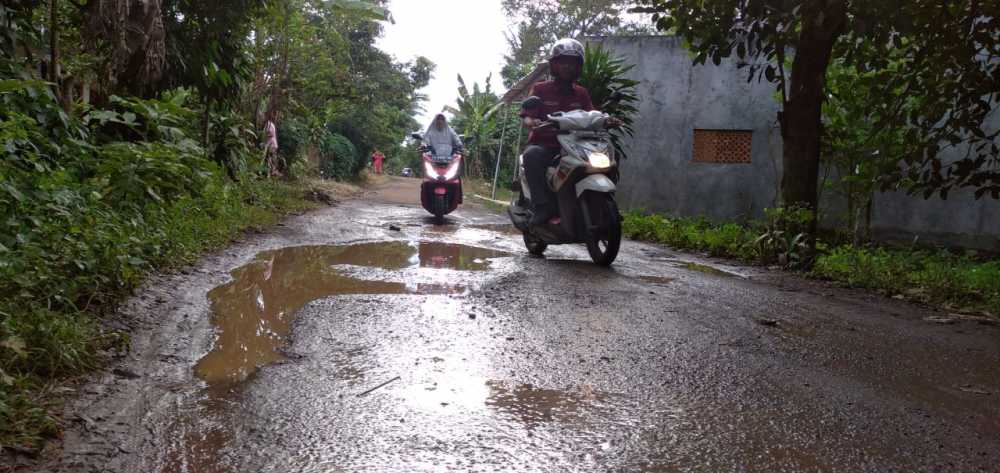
(254, 312)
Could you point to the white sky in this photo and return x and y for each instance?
(460, 36)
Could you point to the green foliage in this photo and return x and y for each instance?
(781, 238)
(94, 194)
(89, 206)
(233, 140)
(857, 150)
(785, 239)
(932, 277)
(535, 26)
(934, 88)
(339, 158)
(474, 118)
(293, 137)
(604, 76)
(728, 240)
(959, 282)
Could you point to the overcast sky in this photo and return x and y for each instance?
(460, 36)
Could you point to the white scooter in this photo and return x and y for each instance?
(582, 177)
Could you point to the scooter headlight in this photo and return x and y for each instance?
(429, 170)
(599, 160)
(452, 171)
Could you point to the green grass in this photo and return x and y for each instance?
(42, 342)
(940, 278)
(485, 189)
(725, 240)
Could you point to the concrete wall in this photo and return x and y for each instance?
(676, 98)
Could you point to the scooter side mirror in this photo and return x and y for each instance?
(531, 103)
(417, 136)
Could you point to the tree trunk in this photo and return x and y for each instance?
(823, 22)
(54, 44)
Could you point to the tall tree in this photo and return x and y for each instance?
(948, 73)
(539, 24)
(133, 31)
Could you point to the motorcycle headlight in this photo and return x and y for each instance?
(452, 171)
(599, 160)
(429, 170)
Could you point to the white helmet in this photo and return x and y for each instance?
(567, 47)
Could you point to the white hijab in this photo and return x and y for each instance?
(444, 141)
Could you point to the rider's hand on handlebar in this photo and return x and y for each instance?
(532, 122)
(613, 122)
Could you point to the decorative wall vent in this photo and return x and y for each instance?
(722, 146)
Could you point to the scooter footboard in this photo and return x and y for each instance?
(596, 183)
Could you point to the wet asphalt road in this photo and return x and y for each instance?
(336, 343)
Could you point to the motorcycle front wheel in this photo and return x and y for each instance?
(604, 245)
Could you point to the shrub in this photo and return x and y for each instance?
(91, 205)
(292, 139)
(786, 238)
(338, 157)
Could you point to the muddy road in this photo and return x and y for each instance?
(337, 343)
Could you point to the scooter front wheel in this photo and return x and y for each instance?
(440, 208)
(535, 246)
(603, 246)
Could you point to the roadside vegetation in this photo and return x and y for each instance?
(955, 281)
(117, 160)
(870, 100)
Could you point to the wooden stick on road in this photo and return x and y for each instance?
(379, 386)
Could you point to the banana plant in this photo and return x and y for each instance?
(473, 119)
(362, 8)
(611, 90)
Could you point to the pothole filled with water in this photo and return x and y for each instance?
(253, 313)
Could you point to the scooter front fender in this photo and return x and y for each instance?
(596, 183)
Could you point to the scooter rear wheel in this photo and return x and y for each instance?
(603, 247)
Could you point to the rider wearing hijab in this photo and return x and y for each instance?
(442, 139)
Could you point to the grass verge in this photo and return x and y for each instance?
(42, 342)
(958, 282)
(485, 189)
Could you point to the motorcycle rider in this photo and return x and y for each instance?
(562, 94)
(442, 139)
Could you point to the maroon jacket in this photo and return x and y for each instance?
(555, 99)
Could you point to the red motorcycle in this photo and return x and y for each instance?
(441, 190)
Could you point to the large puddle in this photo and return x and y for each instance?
(253, 313)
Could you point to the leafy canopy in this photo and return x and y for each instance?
(930, 65)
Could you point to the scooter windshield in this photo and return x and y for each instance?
(580, 120)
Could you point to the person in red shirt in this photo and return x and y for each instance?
(377, 158)
(562, 94)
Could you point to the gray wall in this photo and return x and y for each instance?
(677, 97)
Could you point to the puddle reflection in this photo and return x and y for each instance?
(253, 313)
(532, 405)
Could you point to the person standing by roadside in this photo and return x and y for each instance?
(377, 159)
(271, 149)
